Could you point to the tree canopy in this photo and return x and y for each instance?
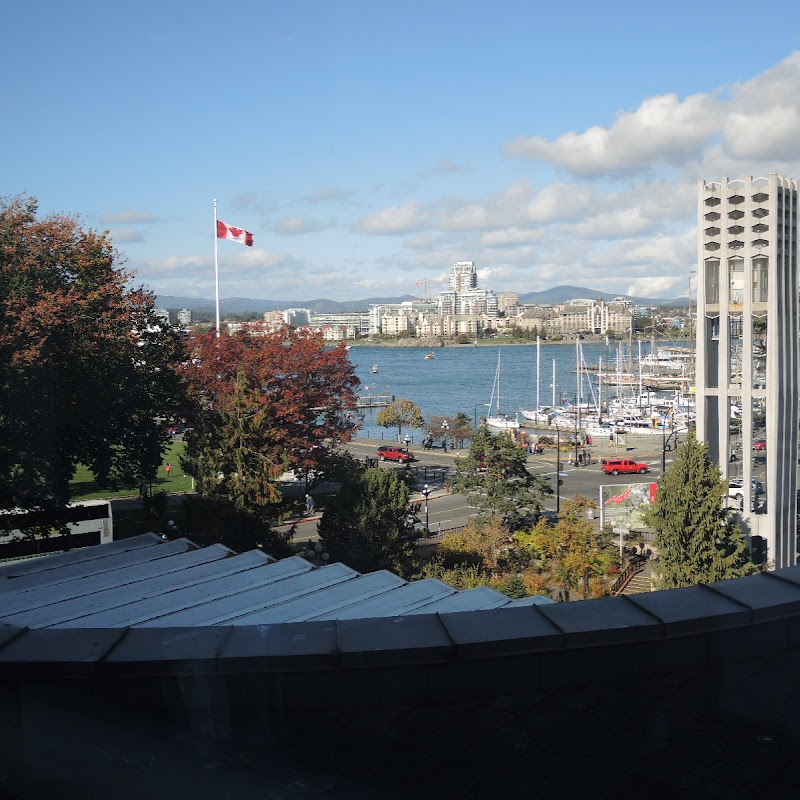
(575, 553)
(366, 524)
(495, 477)
(85, 366)
(264, 401)
(698, 540)
(400, 414)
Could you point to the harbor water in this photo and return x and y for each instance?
(461, 378)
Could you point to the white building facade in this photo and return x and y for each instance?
(748, 350)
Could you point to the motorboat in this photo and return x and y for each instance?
(429, 356)
(375, 369)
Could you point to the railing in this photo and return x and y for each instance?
(438, 537)
(635, 566)
(373, 400)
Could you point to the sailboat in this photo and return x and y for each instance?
(499, 420)
(541, 414)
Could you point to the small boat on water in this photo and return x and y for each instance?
(429, 356)
(375, 369)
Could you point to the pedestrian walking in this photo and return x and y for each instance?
(169, 469)
(310, 504)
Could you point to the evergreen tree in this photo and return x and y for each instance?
(495, 477)
(261, 404)
(697, 538)
(367, 524)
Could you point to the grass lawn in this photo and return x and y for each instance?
(84, 487)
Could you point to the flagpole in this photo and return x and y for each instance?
(216, 264)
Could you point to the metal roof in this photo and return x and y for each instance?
(146, 581)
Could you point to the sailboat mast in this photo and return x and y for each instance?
(639, 342)
(578, 393)
(600, 390)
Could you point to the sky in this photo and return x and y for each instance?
(368, 146)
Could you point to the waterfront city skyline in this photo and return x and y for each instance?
(368, 151)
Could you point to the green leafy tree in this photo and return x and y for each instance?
(495, 477)
(366, 525)
(86, 368)
(698, 540)
(577, 553)
(401, 414)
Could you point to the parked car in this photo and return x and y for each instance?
(759, 444)
(625, 466)
(736, 492)
(393, 453)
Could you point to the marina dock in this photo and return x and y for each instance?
(374, 400)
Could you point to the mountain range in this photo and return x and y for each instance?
(245, 305)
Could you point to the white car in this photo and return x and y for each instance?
(736, 492)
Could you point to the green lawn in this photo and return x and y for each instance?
(84, 486)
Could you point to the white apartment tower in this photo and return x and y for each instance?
(747, 350)
(463, 276)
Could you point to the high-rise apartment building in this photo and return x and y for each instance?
(747, 350)
(463, 276)
(298, 317)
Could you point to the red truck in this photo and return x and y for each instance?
(615, 466)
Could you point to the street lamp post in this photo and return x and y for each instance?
(445, 428)
(558, 468)
(426, 490)
(475, 414)
(663, 445)
(407, 441)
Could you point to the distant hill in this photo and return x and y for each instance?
(245, 305)
(563, 294)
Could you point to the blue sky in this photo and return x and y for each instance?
(370, 145)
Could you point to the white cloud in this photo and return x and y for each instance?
(612, 224)
(658, 287)
(409, 217)
(292, 226)
(444, 166)
(663, 130)
(328, 195)
(126, 235)
(512, 237)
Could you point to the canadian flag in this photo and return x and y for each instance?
(236, 234)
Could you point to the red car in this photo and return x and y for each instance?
(626, 466)
(394, 453)
(759, 444)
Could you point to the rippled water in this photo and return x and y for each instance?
(461, 378)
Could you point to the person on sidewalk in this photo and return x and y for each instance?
(310, 504)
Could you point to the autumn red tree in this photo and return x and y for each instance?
(265, 401)
(85, 366)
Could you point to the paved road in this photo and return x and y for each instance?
(446, 510)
